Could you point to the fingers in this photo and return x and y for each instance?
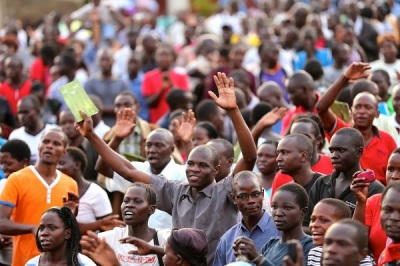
(83, 114)
(192, 117)
(212, 95)
(72, 196)
(119, 115)
(184, 117)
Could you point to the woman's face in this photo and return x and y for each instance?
(135, 207)
(286, 212)
(170, 258)
(323, 216)
(200, 136)
(52, 234)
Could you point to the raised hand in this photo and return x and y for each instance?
(98, 250)
(226, 92)
(143, 248)
(85, 127)
(244, 246)
(125, 123)
(185, 129)
(272, 117)
(287, 261)
(109, 222)
(72, 202)
(357, 70)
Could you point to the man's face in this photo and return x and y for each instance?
(290, 158)
(340, 247)
(297, 93)
(390, 215)
(51, 147)
(225, 163)
(27, 113)
(393, 168)
(237, 55)
(158, 150)
(164, 59)
(364, 111)
(200, 169)
(217, 120)
(266, 159)
(248, 196)
(343, 53)
(389, 51)
(343, 153)
(67, 121)
(105, 62)
(13, 69)
(133, 65)
(124, 101)
(381, 82)
(396, 100)
(9, 164)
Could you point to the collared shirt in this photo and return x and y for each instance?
(172, 171)
(261, 234)
(213, 210)
(132, 143)
(324, 187)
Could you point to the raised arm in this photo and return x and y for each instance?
(227, 101)
(268, 120)
(353, 72)
(185, 130)
(116, 162)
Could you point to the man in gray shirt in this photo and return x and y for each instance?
(199, 202)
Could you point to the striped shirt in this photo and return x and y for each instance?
(315, 258)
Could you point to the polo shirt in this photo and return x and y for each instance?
(40, 72)
(152, 82)
(376, 155)
(261, 234)
(377, 236)
(213, 210)
(13, 95)
(324, 187)
(323, 166)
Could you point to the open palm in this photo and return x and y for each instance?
(226, 92)
(357, 70)
(125, 123)
(185, 129)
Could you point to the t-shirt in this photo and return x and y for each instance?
(323, 166)
(274, 250)
(33, 141)
(112, 238)
(30, 196)
(377, 236)
(315, 258)
(83, 261)
(93, 204)
(14, 95)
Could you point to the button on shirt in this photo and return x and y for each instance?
(212, 210)
(261, 234)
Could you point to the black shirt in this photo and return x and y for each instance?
(324, 187)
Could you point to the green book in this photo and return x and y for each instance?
(77, 100)
(341, 110)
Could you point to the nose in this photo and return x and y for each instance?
(332, 248)
(395, 216)
(279, 158)
(44, 232)
(278, 212)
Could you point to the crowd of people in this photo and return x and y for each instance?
(264, 134)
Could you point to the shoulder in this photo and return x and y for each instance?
(85, 261)
(33, 262)
(375, 187)
(151, 74)
(231, 234)
(115, 233)
(163, 235)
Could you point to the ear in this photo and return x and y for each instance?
(377, 113)
(304, 212)
(360, 152)
(77, 165)
(234, 198)
(230, 161)
(304, 156)
(25, 162)
(67, 233)
(152, 209)
(180, 260)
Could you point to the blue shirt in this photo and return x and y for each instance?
(136, 88)
(261, 234)
(2, 142)
(324, 56)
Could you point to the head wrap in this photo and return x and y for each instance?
(191, 244)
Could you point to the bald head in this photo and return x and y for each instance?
(270, 92)
(209, 153)
(163, 133)
(302, 78)
(301, 143)
(365, 95)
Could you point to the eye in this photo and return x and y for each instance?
(288, 208)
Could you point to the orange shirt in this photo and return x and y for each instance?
(30, 196)
(377, 237)
(323, 166)
(376, 154)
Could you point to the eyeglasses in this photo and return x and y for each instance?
(246, 196)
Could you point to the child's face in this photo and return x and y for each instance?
(9, 164)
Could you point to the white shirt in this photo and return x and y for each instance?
(172, 171)
(101, 129)
(93, 204)
(393, 121)
(32, 141)
(112, 238)
(389, 68)
(84, 261)
(121, 57)
(384, 123)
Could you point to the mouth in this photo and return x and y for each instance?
(281, 166)
(193, 178)
(45, 242)
(316, 235)
(47, 153)
(129, 215)
(330, 262)
(279, 223)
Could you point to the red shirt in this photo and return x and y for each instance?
(377, 237)
(287, 119)
(152, 82)
(323, 166)
(14, 95)
(40, 72)
(376, 154)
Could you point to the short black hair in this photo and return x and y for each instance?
(361, 86)
(18, 149)
(48, 52)
(361, 235)
(68, 60)
(212, 132)
(314, 68)
(303, 144)
(130, 94)
(151, 194)
(33, 99)
(229, 149)
(357, 138)
(300, 194)
(315, 128)
(395, 185)
(206, 109)
(78, 155)
(245, 175)
(175, 97)
(303, 78)
(37, 86)
(341, 208)
(212, 152)
(259, 110)
(384, 73)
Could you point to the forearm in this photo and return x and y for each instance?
(8, 227)
(157, 250)
(257, 131)
(359, 212)
(94, 226)
(152, 100)
(101, 166)
(96, 30)
(329, 97)
(116, 162)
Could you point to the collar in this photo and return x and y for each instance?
(303, 110)
(375, 130)
(329, 179)
(170, 168)
(262, 223)
(207, 191)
